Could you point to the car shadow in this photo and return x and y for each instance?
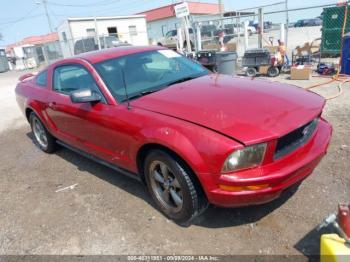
(216, 217)
(105, 173)
(213, 217)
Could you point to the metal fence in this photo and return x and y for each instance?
(32, 56)
(312, 32)
(75, 46)
(44, 54)
(49, 52)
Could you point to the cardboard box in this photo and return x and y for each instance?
(210, 47)
(300, 72)
(263, 69)
(231, 46)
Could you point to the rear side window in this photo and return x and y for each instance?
(41, 79)
(69, 78)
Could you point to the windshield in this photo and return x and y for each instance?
(146, 72)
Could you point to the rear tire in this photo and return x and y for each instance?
(45, 141)
(251, 72)
(273, 71)
(172, 187)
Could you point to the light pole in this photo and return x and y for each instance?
(287, 23)
(44, 3)
(221, 8)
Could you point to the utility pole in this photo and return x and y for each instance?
(287, 23)
(221, 8)
(44, 2)
(47, 15)
(261, 25)
(97, 34)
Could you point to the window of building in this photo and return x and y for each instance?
(132, 30)
(112, 31)
(64, 36)
(91, 32)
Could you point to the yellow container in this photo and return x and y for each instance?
(334, 249)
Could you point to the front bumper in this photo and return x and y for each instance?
(278, 175)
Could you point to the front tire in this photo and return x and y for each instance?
(273, 71)
(172, 187)
(43, 138)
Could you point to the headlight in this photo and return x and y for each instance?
(247, 157)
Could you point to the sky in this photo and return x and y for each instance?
(22, 18)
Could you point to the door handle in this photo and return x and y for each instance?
(52, 105)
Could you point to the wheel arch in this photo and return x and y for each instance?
(33, 107)
(146, 148)
(28, 111)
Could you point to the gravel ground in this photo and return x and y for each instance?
(107, 213)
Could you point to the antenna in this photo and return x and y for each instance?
(126, 92)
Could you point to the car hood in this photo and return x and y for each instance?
(248, 110)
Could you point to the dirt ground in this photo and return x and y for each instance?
(107, 213)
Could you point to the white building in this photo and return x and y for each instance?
(78, 35)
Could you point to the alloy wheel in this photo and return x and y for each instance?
(165, 186)
(39, 133)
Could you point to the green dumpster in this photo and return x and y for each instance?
(333, 20)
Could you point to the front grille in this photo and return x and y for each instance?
(291, 141)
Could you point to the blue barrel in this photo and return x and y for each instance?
(345, 64)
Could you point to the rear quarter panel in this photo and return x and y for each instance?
(31, 96)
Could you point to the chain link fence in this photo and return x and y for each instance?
(228, 32)
(312, 34)
(49, 52)
(44, 54)
(79, 45)
(33, 56)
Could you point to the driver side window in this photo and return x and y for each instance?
(68, 78)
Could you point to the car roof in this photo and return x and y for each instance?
(115, 52)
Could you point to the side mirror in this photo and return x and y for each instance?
(85, 96)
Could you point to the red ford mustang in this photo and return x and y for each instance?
(193, 137)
